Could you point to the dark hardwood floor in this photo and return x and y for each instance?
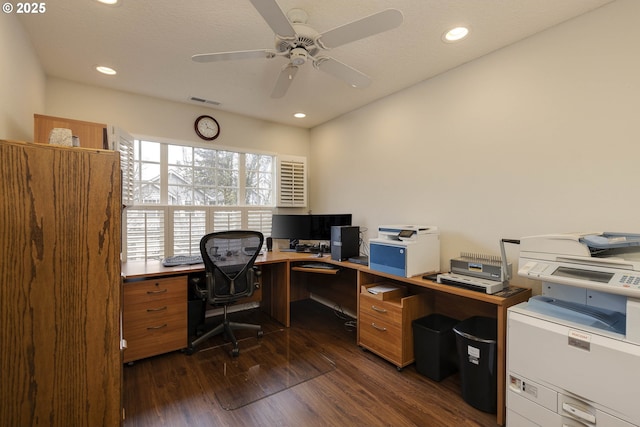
(312, 374)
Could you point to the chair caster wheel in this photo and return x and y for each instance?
(260, 334)
(235, 352)
(189, 351)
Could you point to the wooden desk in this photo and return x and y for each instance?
(284, 281)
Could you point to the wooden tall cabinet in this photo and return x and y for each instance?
(60, 303)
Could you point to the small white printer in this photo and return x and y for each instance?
(405, 250)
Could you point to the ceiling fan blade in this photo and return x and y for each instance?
(274, 16)
(240, 54)
(365, 27)
(342, 71)
(284, 81)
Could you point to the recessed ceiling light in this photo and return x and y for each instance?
(299, 115)
(455, 34)
(109, 2)
(106, 70)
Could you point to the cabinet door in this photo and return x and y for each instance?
(59, 286)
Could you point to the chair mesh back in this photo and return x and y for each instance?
(228, 258)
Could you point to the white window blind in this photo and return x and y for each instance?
(188, 228)
(144, 238)
(260, 220)
(149, 236)
(227, 220)
(292, 182)
(121, 141)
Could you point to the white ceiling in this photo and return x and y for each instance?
(150, 44)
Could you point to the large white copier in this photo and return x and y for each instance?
(573, 353)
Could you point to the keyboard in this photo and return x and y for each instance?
(172, 261)
(320, 265)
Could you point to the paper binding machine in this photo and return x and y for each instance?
(477, 272)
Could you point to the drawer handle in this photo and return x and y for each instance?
(380, 328)
(378, 309)
(150, 328)
(151, 310)
(162, 291)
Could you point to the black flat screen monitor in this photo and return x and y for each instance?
(321, 225)
(291, 227)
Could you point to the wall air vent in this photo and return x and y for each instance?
(203, 101)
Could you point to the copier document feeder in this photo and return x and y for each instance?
(599, 270)
(609, 262)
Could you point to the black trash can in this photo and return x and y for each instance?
(434, 346)
(476, 341)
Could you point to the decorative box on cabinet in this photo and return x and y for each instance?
(154, 316)
(384, 325)
(60, 355)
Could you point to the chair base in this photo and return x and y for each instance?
(226, 327)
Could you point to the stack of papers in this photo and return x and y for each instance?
(379, 289)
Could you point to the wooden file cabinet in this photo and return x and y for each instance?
(385, 325)
(155, 317)
(60, 357)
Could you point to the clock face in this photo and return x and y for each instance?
(207, 128)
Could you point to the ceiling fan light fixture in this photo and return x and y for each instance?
(106, 70)
(298, 56)
(455, 34)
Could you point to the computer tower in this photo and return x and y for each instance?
(345, 242)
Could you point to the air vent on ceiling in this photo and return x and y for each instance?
(203, 101)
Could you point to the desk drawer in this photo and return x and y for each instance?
(381, 337)
(155, 289)
(148, 313)
(145, 340)
(390, 311)
(154, 317)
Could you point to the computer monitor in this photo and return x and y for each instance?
(292, 227)
(321, 225)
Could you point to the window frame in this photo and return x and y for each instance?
(248, 214)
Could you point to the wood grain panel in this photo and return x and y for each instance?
(60, 286)
(276, 291)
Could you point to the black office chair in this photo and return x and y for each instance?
(229, 258)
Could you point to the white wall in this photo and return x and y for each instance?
(153, 117)
(22, 81)
(542, 136)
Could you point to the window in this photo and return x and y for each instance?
(182, 192)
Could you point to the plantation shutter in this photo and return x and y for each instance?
(292, 182)
(121, 141)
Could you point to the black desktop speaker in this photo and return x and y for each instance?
(345, 242)
(269, 244)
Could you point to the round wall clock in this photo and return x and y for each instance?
(207, 128)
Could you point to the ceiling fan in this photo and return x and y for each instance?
(299, 43)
